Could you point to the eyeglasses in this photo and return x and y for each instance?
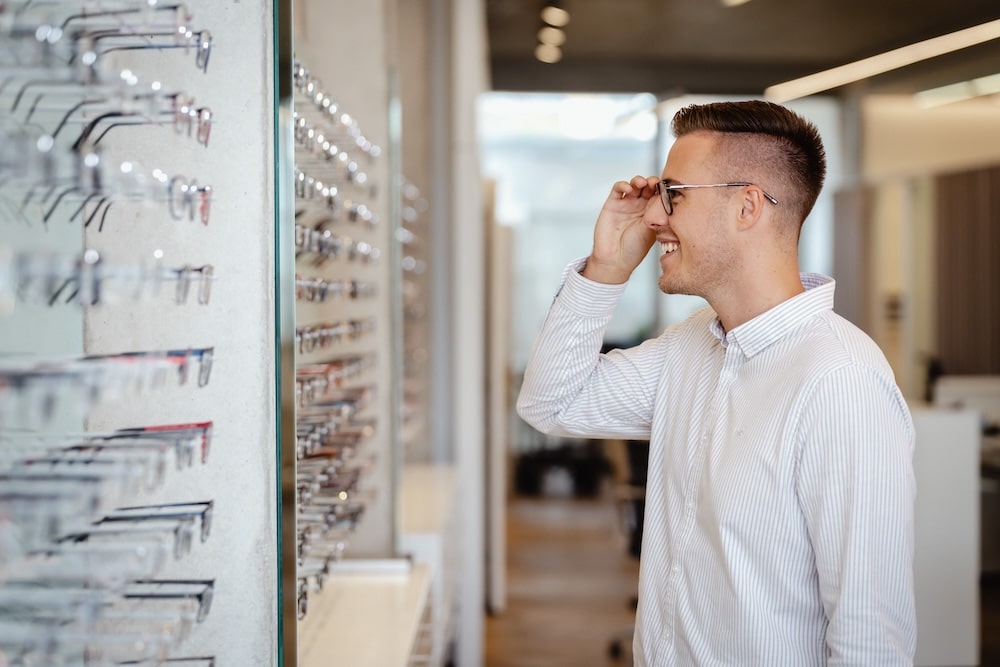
(667, 191)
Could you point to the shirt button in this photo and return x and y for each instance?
(689, 504)
(676, 568)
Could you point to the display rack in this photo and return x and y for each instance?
(340, 443)
(412, 236)
(346, 93)
(213, 340)
(137, 386)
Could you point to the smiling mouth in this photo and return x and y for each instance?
(669, 247)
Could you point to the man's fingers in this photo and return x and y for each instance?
(645, 185)
(639, 187)
(623, 189)
(652, 185)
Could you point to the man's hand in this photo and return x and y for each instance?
(621, 236)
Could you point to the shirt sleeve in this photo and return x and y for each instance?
(569, 387)
(856, 487)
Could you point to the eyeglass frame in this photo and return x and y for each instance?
(663, 186)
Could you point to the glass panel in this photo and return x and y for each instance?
(284, 290)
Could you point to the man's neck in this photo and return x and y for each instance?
(754, 295)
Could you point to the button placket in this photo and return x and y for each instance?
(727, 375)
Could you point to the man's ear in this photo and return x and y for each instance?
(751, 208)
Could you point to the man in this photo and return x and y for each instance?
(779, 503)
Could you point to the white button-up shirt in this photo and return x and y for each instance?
(779, 504)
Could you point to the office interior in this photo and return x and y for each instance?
(269, 273)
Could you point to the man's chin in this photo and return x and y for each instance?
(672, 287)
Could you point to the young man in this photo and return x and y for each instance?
(779, 503)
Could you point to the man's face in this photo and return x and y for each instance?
(697, 251)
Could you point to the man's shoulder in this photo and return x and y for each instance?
(842, 343)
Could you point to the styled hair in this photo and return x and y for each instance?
(763, 140)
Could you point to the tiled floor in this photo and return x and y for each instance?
(570, 579)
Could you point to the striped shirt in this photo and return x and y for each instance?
(779, 504)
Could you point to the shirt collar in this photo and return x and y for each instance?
(772, 325)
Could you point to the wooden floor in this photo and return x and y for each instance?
(569, 585)
(569, 580)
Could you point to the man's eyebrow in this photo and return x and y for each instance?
(669, 181)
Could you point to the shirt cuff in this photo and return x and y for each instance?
(583, 296)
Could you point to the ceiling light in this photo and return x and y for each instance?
(553, 36)
(957, 92)
(884, 62)
(987, 85)
(734, 3)
(936, 97)
(555, 15)
(548, 53)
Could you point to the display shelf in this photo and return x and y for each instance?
(204, 175)
(365, 618)
(428, 534)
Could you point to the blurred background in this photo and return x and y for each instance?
(581, 94)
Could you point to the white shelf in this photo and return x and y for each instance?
(364, 619)
(372, 618)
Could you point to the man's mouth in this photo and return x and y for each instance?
(668, 247)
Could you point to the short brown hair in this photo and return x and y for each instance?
(764, 137)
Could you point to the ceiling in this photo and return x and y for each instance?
(671, 47)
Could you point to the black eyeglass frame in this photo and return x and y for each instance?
(665, 186)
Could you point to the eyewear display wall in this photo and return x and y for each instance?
(146, 416)
(137, 385)
(143, 428)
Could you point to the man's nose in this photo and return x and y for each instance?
(655, 216)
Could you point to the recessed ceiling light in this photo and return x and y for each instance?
(548, 53)
(555, 15)
(553, 36)
(734, 3)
